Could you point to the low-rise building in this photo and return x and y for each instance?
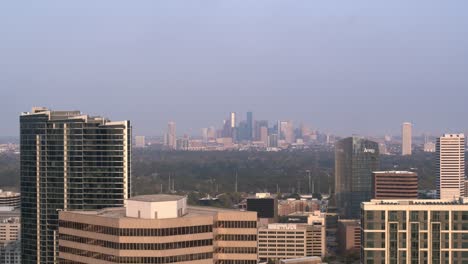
(158, 229)
(10, 228)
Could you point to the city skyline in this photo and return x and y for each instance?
(362, 68)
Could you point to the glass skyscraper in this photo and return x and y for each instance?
(355, 160)
(69, 161)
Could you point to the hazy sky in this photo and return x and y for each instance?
(341, 66)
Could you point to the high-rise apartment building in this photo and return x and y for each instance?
(450, 166)
(69, 161)
(158, 229)
(394, 185)
(355, 160)
(171, 137)
(414, 231)
(406, 139)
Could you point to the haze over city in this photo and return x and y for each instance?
(357, 67)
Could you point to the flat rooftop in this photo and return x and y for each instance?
(120, 212)
(157, 198)
(461, 201)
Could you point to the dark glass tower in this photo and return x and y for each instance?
(69, 161)
(355, 160)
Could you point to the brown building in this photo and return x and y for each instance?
(349, 236)
(394, 185)
(158, 229)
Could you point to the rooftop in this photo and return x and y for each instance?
(394, 172)
(461, 201)
(157, 198)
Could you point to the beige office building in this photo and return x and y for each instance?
(289, 241)
(140, 141)
(415, 231)
(406, 139)
(10, 228)
(450, 166)
(158, 229)
(349, 236)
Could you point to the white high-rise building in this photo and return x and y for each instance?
(406, 139)
(450, 150)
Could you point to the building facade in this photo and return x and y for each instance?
(414, 231)
(69, 161)
(355, 160)
(10, 199)
(10, 231)
(158, 229)
(406, 139)
(394, 185)
(450, 166)
(349, 236)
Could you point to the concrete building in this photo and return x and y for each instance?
(69, 161)
(414, 231)
(158, 229)
(394, 185)
(10, 232)
(406, 138)
(285, 241)
(264, 135)
(171, 136)
(355, 160)
(450, 166)
(140, 141)
(10, 199)
(291, 206)
(349, 236)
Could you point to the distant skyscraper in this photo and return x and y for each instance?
(286, 131)
(264, 135)
(69, 161)
(140, 141)
(232, 119)
(406, 138)
(171, 137)
(355, 160)
(205, 134)
(250, 125)
(450, 166)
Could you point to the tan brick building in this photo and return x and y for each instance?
(158, 229)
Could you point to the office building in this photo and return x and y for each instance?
(264, 135)
(450, 166)
(286, 131)
(69, 161)
(349, 236)
(273, 141)
(158, 229)
(10, 199)
(414, 231)
(140, 142)
(355, 160)
(406, 139)
(394, 185)
(171, 136)
(265, 205)
(10, 231)
(290, 241)
(257, 126)
(250, 126)
(466, 187)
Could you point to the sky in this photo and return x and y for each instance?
(343, 67)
